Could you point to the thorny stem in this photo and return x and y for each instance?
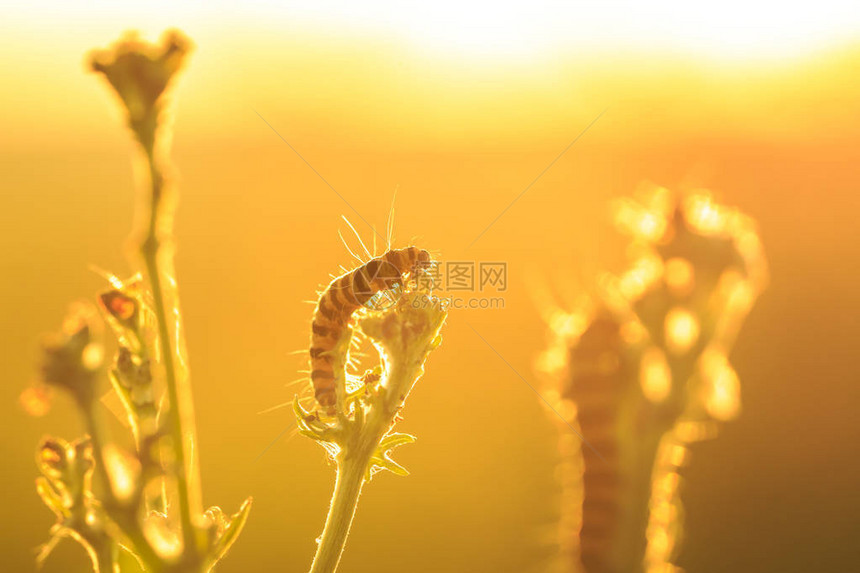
(348, 484)
(404, 337)
(159, 230)
(352, 465)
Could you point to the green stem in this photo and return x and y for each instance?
(150, 249)
(347, 488)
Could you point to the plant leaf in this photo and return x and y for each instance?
(392, 466)
(395, 439)
(232, 531)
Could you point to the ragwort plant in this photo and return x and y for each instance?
(146, 502)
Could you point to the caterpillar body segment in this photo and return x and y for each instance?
(344, 295)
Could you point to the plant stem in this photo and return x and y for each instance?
(122, 515)
(105, 556)
(347, 488)
(406, 338)
(159, 230)
(352, 464)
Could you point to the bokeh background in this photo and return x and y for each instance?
(461, 106)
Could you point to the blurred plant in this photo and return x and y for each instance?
(644, 370)
(357, 432)
(147, 502)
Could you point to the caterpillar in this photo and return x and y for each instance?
(614, 481)
(344, 295)
(648, 374)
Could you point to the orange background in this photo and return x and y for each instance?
(777, 136)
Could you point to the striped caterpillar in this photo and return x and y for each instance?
(344, 295)
(645, 369)
(616, 473)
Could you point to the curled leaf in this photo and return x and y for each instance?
(52, 458)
